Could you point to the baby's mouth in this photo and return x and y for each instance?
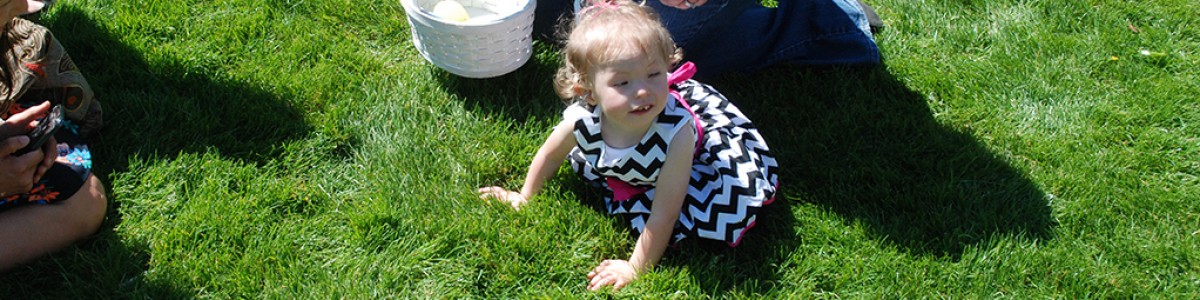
(642, 109)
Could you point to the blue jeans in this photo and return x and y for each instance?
(741, 36)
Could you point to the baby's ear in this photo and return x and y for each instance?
(583, 93)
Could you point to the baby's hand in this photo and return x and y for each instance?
(614, 272)
(494, 192)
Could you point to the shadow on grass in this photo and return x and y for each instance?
(152, 113)
(861, 144)
(159, 111)
(527, 92)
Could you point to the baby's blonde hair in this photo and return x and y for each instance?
(599, 33)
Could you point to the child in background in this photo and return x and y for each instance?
(672, 154)
(49, 198)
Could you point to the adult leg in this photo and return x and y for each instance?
(547, 16)
(684, 25)
(30, 231)
(702, 31)
(817, 32)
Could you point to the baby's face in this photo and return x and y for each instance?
(631, 89)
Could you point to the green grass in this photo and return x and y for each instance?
(303, 149)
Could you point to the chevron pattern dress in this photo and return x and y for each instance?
(733, 172)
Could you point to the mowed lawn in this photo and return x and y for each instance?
(303, 149)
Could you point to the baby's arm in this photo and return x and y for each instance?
(545, 164)
(664, 213)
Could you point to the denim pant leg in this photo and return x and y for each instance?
(547, 16)
(683, 25)
(742, 36)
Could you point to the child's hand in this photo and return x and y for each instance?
(17, 173)
(23, 122)
(494, 192)
(614, 272)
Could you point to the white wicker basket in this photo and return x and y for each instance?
(481, 47)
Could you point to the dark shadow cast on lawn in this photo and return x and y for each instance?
(859, 143)
(152, 113)
(525, 93)
(162, 110)
(863, 145)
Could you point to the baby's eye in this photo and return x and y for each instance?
(621, 83)
(655, 74)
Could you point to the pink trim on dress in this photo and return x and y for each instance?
(683, 73)
(737, 242)
(623, 190)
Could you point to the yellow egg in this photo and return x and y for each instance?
(451, 10)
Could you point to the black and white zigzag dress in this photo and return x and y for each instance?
(733, 172)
